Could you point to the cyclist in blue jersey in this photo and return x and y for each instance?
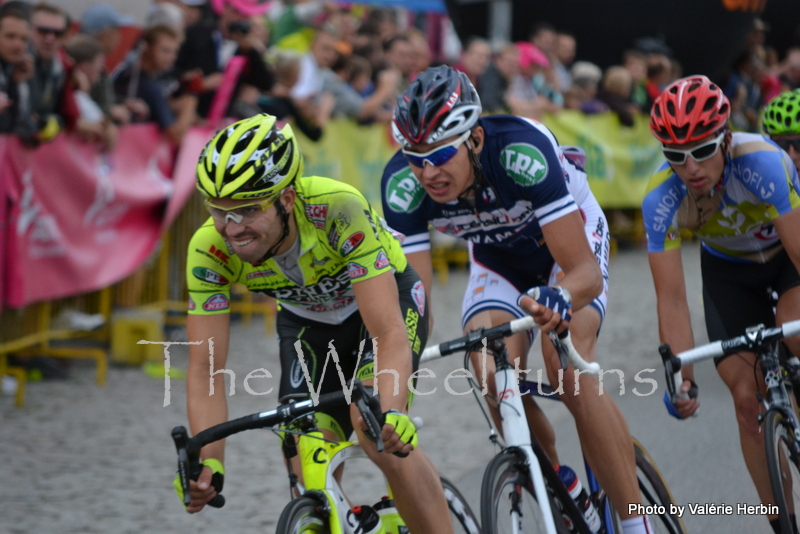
(738, 193)
(524, 205)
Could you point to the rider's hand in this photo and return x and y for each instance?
(684, 408)
(551, 311)
(399, 433)
(205, 488)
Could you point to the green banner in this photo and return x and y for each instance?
(619, 160)
(351, 153)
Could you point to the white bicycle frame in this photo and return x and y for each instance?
(516, 432)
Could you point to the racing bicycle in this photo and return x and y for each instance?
(321, 505)
(781, 429)
(521, 490)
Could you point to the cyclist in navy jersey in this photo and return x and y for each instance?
(523, 203)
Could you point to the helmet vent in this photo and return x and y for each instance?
(710, 103)
(690, 105)
(680, 131)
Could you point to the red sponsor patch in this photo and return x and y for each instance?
(418, 294)
(214, 251)
(260, 274)
(355, 270)
(382, 260)
(216, 302)
(317, 213)
(351, 243)
(192, 305)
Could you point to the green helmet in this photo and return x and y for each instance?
(782, 114)
(252, 158)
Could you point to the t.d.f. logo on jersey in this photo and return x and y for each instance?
(403, 192)
(524, 163)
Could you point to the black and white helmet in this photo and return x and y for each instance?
(440, 103)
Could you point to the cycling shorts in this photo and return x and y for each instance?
(316, 339)
(496, 289)
(738, 295)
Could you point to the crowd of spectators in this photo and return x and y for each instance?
(308, 61)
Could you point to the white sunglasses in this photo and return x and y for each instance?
(698, 153)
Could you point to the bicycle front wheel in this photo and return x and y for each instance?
(508, 503)
(303, 516)
(655, 493)
(464, 521)
(784, 475)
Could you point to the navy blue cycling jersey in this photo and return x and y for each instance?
(528, 182)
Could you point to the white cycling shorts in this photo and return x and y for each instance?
(489, 290)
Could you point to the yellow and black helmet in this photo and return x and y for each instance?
(251, 158)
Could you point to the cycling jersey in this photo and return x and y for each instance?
(734, 222)
(342, 240)
(528, 182)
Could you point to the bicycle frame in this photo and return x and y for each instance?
(319, 460)
(547, 392)
(516, 432)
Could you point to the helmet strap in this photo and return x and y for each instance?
(478, 176)
(284, 216)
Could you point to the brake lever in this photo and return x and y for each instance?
(189, 468)
(181, 439)
(368, 405)
(561, 349)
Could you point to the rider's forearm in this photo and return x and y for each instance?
(675, 328)
(584, 283)
(394, 354)
(206, 410)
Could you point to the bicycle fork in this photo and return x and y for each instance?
(516, 433)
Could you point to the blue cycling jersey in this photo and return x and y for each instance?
(528, 182)
(734, 222)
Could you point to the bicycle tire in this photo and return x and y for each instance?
(507, 487)
(303, 516)
(782, 466)
(461, 515)
(655, 492)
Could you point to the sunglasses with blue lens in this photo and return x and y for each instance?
(437, 156)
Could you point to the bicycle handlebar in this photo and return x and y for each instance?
(188, 448)
(754, 340)
(471, 342)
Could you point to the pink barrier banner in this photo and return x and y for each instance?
(192, 145)
(5, 200)
(81, 220)
(222, 98)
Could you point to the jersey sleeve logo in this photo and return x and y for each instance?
(216, 302)
(418, 294)
(382, 261)
(351, 243)
(403, 192)
(524, 163)
(355, 270)
(207, 275)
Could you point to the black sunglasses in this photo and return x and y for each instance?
(786, 143)
(44, 30)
